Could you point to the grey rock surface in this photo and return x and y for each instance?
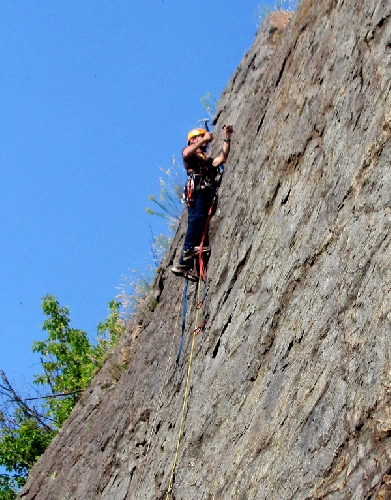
(290, 383)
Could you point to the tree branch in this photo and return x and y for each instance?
(14, 397)
(59, 395)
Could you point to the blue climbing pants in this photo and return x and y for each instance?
(197, 217)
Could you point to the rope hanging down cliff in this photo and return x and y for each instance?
(185, 398)
(198, 327)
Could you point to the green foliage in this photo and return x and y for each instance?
(8, 487)
(24, 435)
(69, 361)
(67, 358)
(109, 332)
(22, 444)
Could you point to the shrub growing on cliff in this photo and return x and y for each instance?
(66, 358)
(168, 205)
(69, 361)
(209, 103)
(169, 200)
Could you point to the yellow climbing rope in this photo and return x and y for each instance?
(158, 409)
(185, 397)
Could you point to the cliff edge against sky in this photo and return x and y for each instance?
(290, 387)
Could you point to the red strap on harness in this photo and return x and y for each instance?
(201, 260)
(190, 190)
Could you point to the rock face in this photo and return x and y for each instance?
(290, 384)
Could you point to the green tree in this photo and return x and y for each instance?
(8, 487)
(25, 432)
(68, 361)
(109, 332)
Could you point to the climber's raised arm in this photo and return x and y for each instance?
(195, 142)
(222, 157)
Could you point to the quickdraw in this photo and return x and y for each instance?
(202, 324)
(200, 304)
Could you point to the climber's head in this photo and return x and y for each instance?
(196, 132)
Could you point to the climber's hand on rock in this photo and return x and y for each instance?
(228, 129)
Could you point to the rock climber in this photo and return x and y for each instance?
(200, 189)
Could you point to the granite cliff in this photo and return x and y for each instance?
(290, 386)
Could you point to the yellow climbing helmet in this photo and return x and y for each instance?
(195, 133)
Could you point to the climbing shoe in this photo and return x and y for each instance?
(193, 252)
(185, 271)
(193, 275)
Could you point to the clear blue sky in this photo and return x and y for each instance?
(96, 96)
